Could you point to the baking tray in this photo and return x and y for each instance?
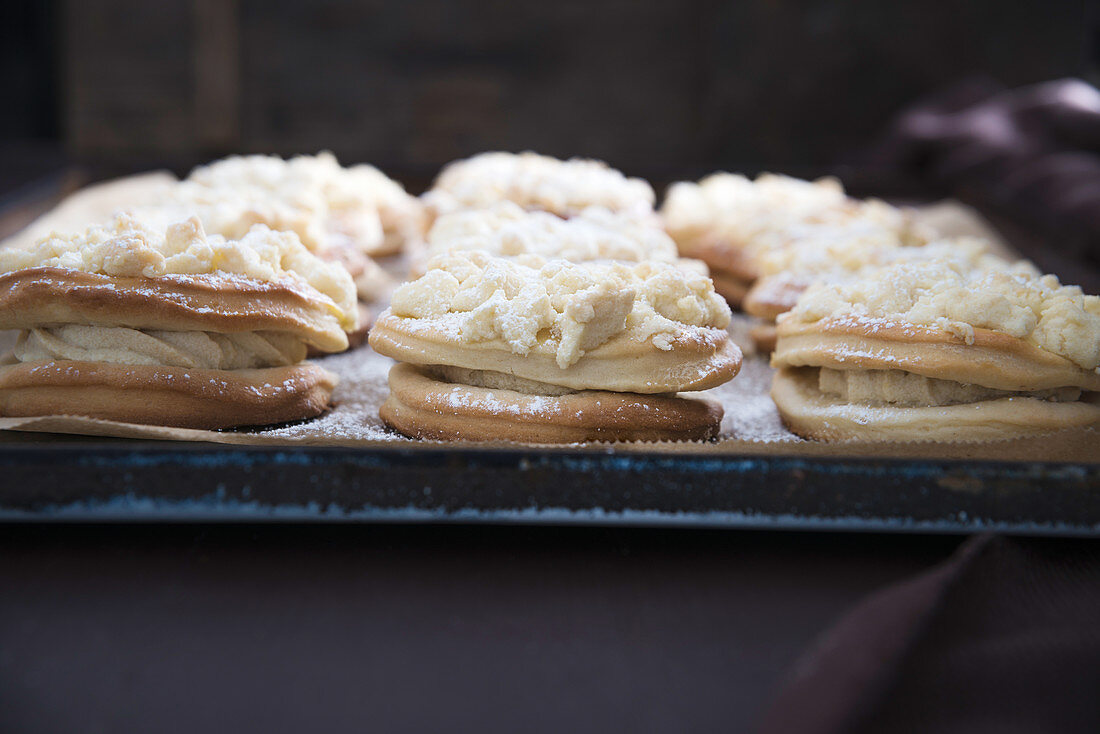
(120, 480)
(46, 477)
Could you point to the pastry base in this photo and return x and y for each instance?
(731, 268)
(772, 295)
(993, 359)
(358, 337)
(421, 406)
(372, 283)
(165, 396)
(730, 287)
(813, 414)
(390, 244)
(47, 296)
(718, 251)
(763, 337)
(697, 361)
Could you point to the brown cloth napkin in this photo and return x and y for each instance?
(1031, 154)
(1002, 637)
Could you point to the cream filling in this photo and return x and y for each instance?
(897, 387)
(495, 380)
(195, 349)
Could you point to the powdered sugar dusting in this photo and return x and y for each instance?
(750, 413)
(358, 396)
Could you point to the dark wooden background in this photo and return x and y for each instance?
(98, 88)
(660, 89)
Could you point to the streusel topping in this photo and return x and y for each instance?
(325, 204)
(833, 255)
(530, 301)
(538, 182)
(129, 247)
(595, 234)
(949, 293)
(774, 210)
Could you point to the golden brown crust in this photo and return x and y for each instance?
(166, 396)
(993, 360)
(719, 252)
(812, 414)
(47, 296)
(358, 337)
(423, 407)
(771, 296)
(730, 287)
(351, 256)
(402, 228)
(390, 244)
(763, 337)
(700, 361)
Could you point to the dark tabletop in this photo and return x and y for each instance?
(430, 628)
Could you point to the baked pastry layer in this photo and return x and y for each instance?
(812, 413)
(372, 282)
(990, 359)
(52, 296)
(763, 337)
(773, 295)
(697, 362)
(422, 406)
(725, 253)
(730, 287)
(169, 396)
